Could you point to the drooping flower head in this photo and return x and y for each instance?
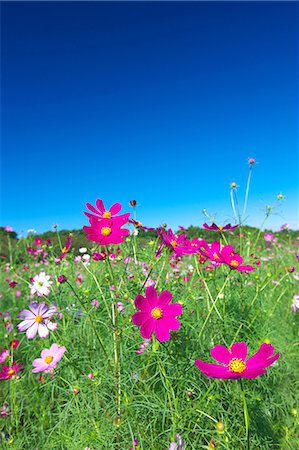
(215, 227)
(40, 285)
(66, 248)
(7, 372)
(234, 363)
(49, 359)
(157, 316)
(37, 320)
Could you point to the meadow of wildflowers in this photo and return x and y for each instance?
(170, 342)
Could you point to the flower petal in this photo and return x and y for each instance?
(140, 317)
(214, 370)
(221, 354)
(173, 310)
(31, 332)
(25, 314)
(162, 330)
(263, 353)
(25, 324)
(142, 303)
(164, 299)
(147, 328)
(43, 330)
(239, 350)
(115, 209)
(151, 296)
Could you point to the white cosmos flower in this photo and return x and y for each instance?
(40, 285)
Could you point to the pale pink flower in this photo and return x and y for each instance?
(49, 359)
(37, 320)
(40, 285)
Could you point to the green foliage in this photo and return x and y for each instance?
(162, 393)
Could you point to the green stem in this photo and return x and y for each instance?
(246, 415)
(92, 324)
(246, 195)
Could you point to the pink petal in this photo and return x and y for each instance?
(115, 208)
(41, 368)
(142, 303)
(253, 373)
(59, 354)
(53, 349)
(162, 331)
(164, 298)
(173, 310)
(46, 352)
(38, 362)
(151, 296)
(147, 328)
(171, 323)
(31, 332)
(263, 353)
(239, 350)
(221, 354)
(100, 205)
(34, 307)
(214, 370)
(92, 209)
(140, 317)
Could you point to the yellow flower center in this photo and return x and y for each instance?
(237, 365)
(234, 263)
(157, 313)
(215, 256)
(174, 243)
(107, 215)
(64, 250)
(38, 319)
(10, 372)
(48, 359)
(106, 231)
(220, 227)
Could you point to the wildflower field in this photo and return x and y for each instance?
(150, 338)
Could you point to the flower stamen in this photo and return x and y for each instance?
(157, 313)
(105, 231)
(237, 365)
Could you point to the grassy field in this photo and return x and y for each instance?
(106, 390)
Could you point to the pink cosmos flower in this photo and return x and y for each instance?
(215, 227)
(178, 244)
(156, 314)
(268, 237)
(38, 241)
(3, 355)
(8, 229)
(106, 231)
(65, 248)
(234, 363)
(37, 320)
(100, 212)
(8, 372)
(49, 359)
(234, 260)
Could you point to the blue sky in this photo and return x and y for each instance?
(158, 102)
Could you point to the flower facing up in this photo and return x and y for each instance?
(37, 320)
(8, 372)
(268, 237)
(234, 363)
(156, 314)
(49, 359)
(100, 212)
(40, 285)
(215, 227)
(106, 231)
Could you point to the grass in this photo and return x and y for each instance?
(159, 393)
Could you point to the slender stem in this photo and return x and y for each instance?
(233, 204)
(92, 323)
(246, 414)
(246, 195)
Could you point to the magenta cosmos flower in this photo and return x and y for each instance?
(177, 243)
(107, 231)
(37, 320)
(156, 314)
(234, 260)
(49, 358)
(100, 212)
(8, 372)
(234, 363)
(215, 227)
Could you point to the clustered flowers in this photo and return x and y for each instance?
(105, 226)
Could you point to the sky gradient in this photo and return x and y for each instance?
(158, 102)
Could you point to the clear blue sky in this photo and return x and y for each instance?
(158, 102)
